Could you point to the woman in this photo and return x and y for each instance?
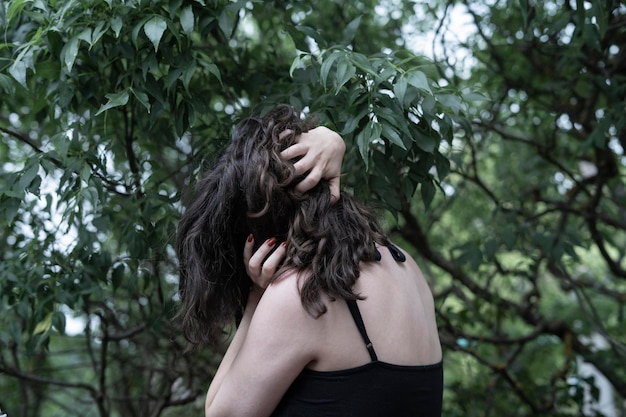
(334, 319)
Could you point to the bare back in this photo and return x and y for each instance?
(398, 313)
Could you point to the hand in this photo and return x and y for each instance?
(259, 266)
(323, 151)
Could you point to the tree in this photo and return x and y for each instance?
(114, 107)
(528, 245)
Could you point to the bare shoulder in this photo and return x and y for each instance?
(416, 272)
(409, 261)
(282, 306)
(284, 292)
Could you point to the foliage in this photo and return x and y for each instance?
(111, 108)
(528, 242)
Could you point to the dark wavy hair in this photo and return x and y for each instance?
(250, 189)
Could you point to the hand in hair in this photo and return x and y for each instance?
(322, 153)
(259, 266)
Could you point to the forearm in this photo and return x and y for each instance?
(235, 345)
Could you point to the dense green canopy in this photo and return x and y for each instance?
(499, 161)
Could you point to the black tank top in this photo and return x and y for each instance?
(376, 389)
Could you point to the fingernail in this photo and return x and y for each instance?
(250, 238)
(284, 244)
(271, 241)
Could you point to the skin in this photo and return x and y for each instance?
(322, 151)
(277, 338)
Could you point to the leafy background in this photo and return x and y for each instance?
(498, 156)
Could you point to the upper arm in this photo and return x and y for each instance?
(279, 343)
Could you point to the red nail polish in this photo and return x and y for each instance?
(284, 244)
(271, 241)
(250, 238)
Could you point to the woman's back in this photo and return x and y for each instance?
(400, 374)
(397, 311)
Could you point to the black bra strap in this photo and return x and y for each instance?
(395, 253)
(356, 315)
(354, 308)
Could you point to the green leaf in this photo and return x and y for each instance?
(426, 142)
(59, 321)
(116, 25)
(451, 102)
(10, 206)
(345, 71)
(98, 32)
(418, 80)
(28, 175)
(443, 165)
(399, 89)
(353, 122)
(387, 193)
(18, 71)
(48, 69)
(350, 31)
(226, 23)
(312, 33)
(392, 135)
(188, 73)
(215, 71)
(14, 8)
(385, 166)
(362, 63)
(173, 76)
(69, 53)
(362, 143)
(115, 100)
(6, 84)
(473, 96)
(187, 19)
(154, 29)
(428, 191)
(298, 63)
(85, 173)
(44, 325)
(370, 133)
(326, 66)
(173, 6)
(85, 35)
(142, 98)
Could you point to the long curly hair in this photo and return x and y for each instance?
(250, 189)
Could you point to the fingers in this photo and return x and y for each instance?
(309, 181)
(313, 178)
(307, 162)
(285, 133)
(263, 264)
(247, 250)
(321, 151)
(294, 151)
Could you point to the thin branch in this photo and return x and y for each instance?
(127, 334)
(34, 378)
(108, 183)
